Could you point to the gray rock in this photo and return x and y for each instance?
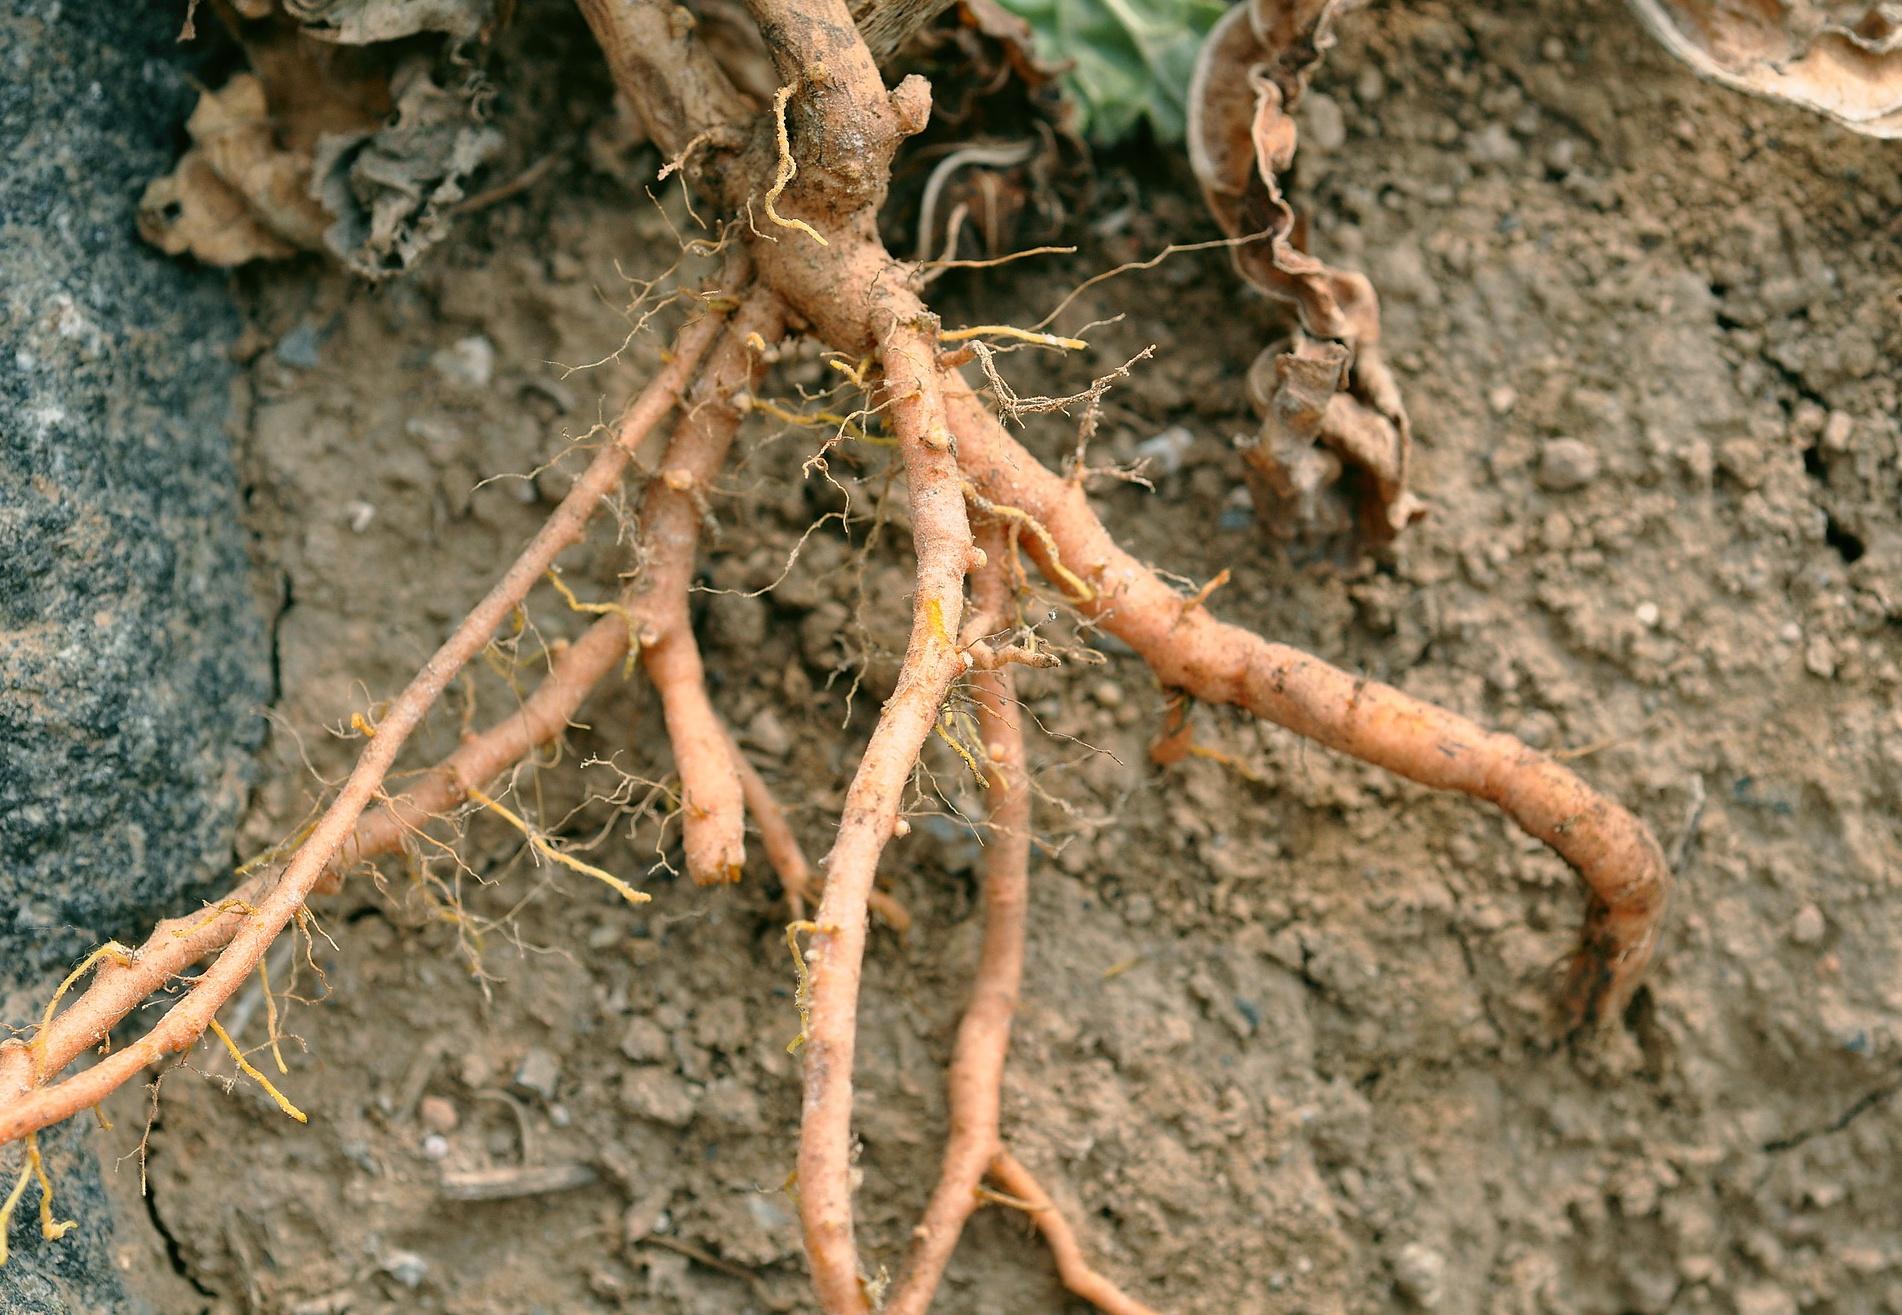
(538, 1074)
(644, 1042)
(134, 665)
(1420, 1273)
(658, 1094)
(1566, 465)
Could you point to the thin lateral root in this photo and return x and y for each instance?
(802, 993)
(270, 1016)
(112, 950)
(601, 609)
(787, 171)
(1077, 1275)
(50, 1228)
(251, 1071)
(544, 847)
(1014, 333)
(1073, 584)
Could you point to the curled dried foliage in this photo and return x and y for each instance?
(321, 146)
(236, 195)
(1334, 440)
(1843, 60)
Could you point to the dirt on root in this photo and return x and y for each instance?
(1284, 1041)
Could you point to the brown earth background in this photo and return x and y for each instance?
(1284, 1042)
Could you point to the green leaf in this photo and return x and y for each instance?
(1130, 59)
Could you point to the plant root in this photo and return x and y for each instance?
(976, 1078)
(942, 539)
(787, 857)
(1081, 1280)
(712, 809)
(1189, 650)
(271, 902)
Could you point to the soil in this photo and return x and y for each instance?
(1285, 1042)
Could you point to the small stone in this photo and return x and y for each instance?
(1763, 1299)
(538, 1073)
(438, 1114)
(1647, 615)
(406, 1267)
(644, 1041)
(610, 1285)
(1808, 926)
(1108, 694)
(298, 348)
(475, 1070)
(658, 1094)
(1325, 123)
(1420, 1273)
(1165, 451)
(1562, 156)
(1369, 86)
(435, 1146)
(768, 733)
(645, 1216)
(1837, 431)
(1502, 399)
(1819, 657)
(1552, 50)
(1566, 465)
(467, 363)
(1492, 144)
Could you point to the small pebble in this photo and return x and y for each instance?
(1166, 450)
(538, 1073)
(1492, 144)
(298, 348)
(406, 1267)
(1327, 126)
(644, 1041)
(1807, 927)
(467, 363)
(1566, 465)
(1648, 615)
(1502, 399)
(438, 1114)
(1837, 431)
(769, 734)
(435, 1146)
(1765, 1299)
(1420, 1274)
(658, 1094)
(1109, 694)
(1369, 86)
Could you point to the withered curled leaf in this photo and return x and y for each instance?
(1841, 59)
(1334, 437)
(236, 195)
(326, 146)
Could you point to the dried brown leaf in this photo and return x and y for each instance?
(1841, 59)
(1242, 139)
